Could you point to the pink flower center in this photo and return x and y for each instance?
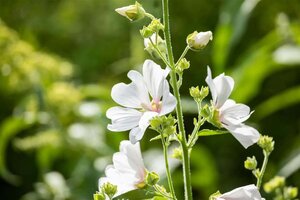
(156, 106)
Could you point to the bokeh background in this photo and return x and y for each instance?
(60, 58)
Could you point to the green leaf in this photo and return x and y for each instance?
(208, 132)
(135, 194)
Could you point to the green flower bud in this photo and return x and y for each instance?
(109, 189)
(152, 178)
(156, 25)
(215, 195)
(132, 12)
(197, 41)
(99, 196)
(177, 153)
(195, 92)
(250, 163)
(182, 65)
(291, 192)
(266, 143)
(274, 183)
(146, 32)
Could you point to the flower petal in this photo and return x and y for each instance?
(233, 114)
(246, 135)
(154, 77)
(211, 85)
(123, 119)
(248, 192)
(132, 95)
(224, 86)
(168, 101)
(220, 87)
(137, 133)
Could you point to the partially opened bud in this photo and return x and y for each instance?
(132, 12)
(197, 41)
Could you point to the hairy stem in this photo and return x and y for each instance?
(169, 177)
(263, 169)
(183, 141)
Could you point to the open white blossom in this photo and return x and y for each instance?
(147, 96)
(248, 192)
(128, 171)
(231, 114)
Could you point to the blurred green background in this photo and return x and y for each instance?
(60, 58)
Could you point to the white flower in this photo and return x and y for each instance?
(197, 41)
(128, 171)
(138, 108)
(231, 114)
(248, 192)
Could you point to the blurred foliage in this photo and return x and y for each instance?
(59, 59)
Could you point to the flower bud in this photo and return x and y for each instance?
(132, 12)
(99, 196)
(266, 143)
(291, 192)
(274, 183)
(156, 25)
(109, 189)
(152, 178)
(182, 65)
(177, 153)
(197, 41)
(250, 163)
(146, 32)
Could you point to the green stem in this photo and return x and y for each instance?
(169, 177)
(183, 142)
(263, 169)
(159, 53)
(193, 138)
(182, 55)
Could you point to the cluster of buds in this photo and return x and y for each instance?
(164, 125)
(197, 94)
(107, 190)
(154, 27)
(266, 143)
(278, 186)
(182, 65)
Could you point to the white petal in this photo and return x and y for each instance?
(168, 101)
(134, 157)
(137, 133)
(249, 192)
(123, 118)
(139, 81)
(246, 135)
(234, 114)
(211, 85)
(224, 86)
(154, 77)
(131, 95)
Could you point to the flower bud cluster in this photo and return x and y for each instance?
(164, 125)
(266, 143)
(106, 189)
(197, 94)
(277, 184)
(182, 65)
(154, 27)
